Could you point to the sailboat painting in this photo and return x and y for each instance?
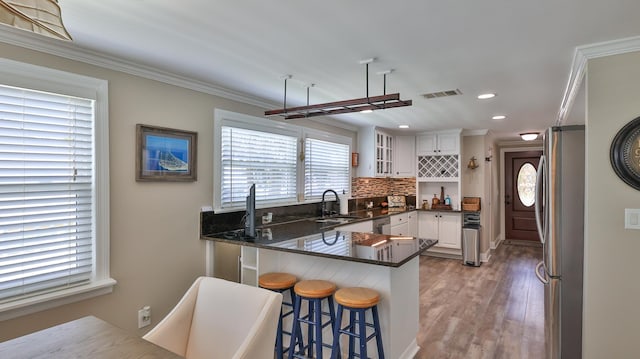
(165, 154)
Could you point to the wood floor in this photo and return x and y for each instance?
(492, 311)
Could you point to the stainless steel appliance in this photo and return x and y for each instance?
(560, 221)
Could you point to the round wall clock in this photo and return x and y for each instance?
(625, 153)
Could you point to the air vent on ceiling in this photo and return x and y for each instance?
(442, 94)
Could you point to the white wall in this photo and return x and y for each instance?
(611, 284)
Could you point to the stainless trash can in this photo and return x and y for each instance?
(471, 245)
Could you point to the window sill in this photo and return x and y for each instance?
(42, 302)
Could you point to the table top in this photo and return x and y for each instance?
(87, 337)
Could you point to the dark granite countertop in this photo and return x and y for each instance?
(313, 236)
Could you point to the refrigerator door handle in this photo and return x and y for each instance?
(539, 188)
(544, 280)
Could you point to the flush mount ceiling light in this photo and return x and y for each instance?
(403, 126)
(498, 117)
(486, 96)
(365, 105)
(41, 16)
(529, 136)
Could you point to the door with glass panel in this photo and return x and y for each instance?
(520, 183)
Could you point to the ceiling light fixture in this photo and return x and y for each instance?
(529, 136)
(403, 126)
(42, 17)
(498, 117)
(364, 105)
(486, 96)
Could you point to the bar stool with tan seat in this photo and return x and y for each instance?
(281, 283)
(314, 292)
(357, 300)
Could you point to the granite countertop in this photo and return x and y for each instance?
(313, 236)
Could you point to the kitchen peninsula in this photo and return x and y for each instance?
(330, 249)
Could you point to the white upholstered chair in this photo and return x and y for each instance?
(221, 319)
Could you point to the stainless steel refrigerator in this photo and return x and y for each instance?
(560, 220)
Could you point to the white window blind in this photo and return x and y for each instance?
(266, 159)
(326, 167)
(46, 192)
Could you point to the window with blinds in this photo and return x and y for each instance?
(267, 159)
(46, 192)
(326, 165)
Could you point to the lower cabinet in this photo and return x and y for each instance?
(399, 224)
(443, 226)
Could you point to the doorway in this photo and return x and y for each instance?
(519, 197)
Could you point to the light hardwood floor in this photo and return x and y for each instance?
(493, 311)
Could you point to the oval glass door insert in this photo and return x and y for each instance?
(527, 184)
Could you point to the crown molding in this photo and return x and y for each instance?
(475, 132)
(581, 56)
(69, 50)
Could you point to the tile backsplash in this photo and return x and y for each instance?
(362, 187)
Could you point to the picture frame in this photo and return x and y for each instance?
(165, 154)
(625, 153)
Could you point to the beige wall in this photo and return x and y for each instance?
(611, 284)
(156, 252)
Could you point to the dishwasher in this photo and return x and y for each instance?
(382, 225)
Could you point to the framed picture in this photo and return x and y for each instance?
(164, 154)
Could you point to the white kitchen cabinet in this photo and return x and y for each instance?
(399, 224)
(404, 161)
(413, 223)
(443, 226)
(376, 149)
(438, 143)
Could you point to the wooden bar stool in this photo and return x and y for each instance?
(312, 291)
(281, 283)
(357, 300)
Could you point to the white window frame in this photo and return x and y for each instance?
(234, 119)
(329, 137)
(17, 74)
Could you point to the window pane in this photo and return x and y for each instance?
(527, 184)
(266, 159)
(326, 167)
(46, 191)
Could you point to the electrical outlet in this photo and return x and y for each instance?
(144, 316)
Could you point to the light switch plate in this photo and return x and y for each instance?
(632, 218)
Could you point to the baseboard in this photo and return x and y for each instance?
(484, 257)
(411, 350)
(443, 252)
(496, 243)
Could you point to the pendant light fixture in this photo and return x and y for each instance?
(363, 105)
(42, 17)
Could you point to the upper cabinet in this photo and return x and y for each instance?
(438, 143)
(438, 156)
(385, 155)
(376, 149)
(404, 161)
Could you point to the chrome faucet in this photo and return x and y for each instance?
(324, 210)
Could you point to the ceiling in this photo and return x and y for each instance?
(521, 50)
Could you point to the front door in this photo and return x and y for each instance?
(520, 181)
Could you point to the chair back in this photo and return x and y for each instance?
(227, 320)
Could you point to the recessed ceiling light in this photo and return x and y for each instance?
(499, 117)
(403, 126)
(366, 111)
(486, 96)
(529, 136)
